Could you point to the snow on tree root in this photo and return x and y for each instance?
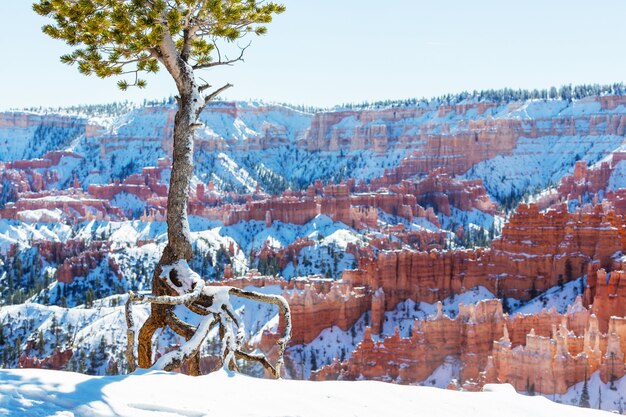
(176, 358)
(215, 306)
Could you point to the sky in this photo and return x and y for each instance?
(328, 52)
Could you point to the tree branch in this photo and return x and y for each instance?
(204, 86)
(220, 62)
(212, 96)
(176, 358)
(181, 328)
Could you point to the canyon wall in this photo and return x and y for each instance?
(536, 251)
(551, 357)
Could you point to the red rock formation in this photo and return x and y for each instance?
(73, 203)
(255, 279)
(144, 186)
(535, 252)
(462, 109)
(56, 252)
(109, 191)
(585, 182)
(608, 292)
(529, 258)
(28, 120)
(550, 359)
(477, 140)
(313, 310)
(78, 266)
(611, 102)
(284, 209)
(359, 210)
(57, 360)
(441, 191)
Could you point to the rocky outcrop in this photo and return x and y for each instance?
(323, 304)
(73, 203)
(144, 186)
(536, 251)
(611, 102)
(285, 209)
(584, 184)
(48, 160)
(607, 292)
(57, 360)
(551, 358)
(78, 266)
(358, 210)
(283, 256)
(440, 191)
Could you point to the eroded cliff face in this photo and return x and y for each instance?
(384, 146)
(536, 251)
(548, 351)
(441, 191)
(26, 135)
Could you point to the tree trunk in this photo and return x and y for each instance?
(179, 239)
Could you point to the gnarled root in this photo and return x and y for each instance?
(213, 302)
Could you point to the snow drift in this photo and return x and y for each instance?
(64, 394)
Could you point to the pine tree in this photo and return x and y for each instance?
(18, 345)
(313, 361)
(89, 298)
(584, 395)
(569, 272)
(114, 38)
(41, 343)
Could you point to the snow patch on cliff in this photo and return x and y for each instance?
(560, 297)
(537, 163)
(617, 179)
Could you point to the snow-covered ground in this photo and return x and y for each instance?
(560, 297)
(63, 394)
(609, 396)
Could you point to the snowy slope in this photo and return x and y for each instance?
(537, 163)
(558, 297)
(129, 138)
(601, 396)
(618, 176)
(41, 134)
(63, 394)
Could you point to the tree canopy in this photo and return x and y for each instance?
(113, 37)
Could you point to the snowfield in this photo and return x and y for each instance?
(30, 392)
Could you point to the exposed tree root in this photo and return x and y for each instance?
(212, 302)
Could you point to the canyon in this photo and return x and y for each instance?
(482, 238)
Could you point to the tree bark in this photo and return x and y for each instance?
(179, 240)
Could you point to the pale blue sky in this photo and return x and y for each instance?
(325, 52)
